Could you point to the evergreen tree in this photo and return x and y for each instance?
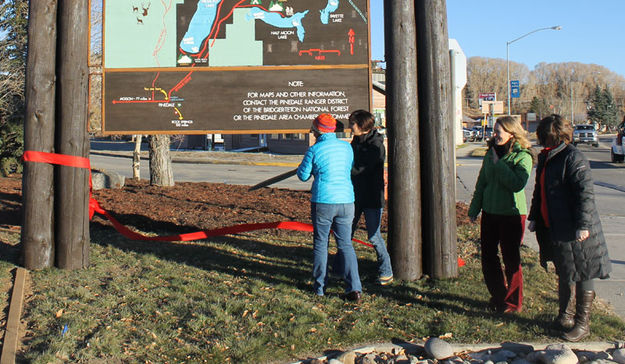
(602, 108)
(13, 43)
(539, 106)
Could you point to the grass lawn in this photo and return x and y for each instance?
(248, 299)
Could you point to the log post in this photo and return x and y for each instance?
(72, 187)
(404, 204)
(37, 180)
(438, 180)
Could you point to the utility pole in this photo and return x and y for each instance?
(37, 180)
(404, 205)
(436, 127)
(72, 189)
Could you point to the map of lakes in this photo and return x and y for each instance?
(222, 33)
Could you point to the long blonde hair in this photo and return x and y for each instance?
(513, 126)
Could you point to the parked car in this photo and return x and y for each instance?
(585, 133)
(468, 135)
(477, 130)
(617, 152)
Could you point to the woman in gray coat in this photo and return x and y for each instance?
(564, 216)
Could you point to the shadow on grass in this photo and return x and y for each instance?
(274, 264)
(10, 253)
(10, 211)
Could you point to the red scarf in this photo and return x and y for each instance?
(543, 193)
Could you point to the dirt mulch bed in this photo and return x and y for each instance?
(187, 206)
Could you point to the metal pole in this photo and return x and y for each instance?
(508, 72)
(556, 27)
(572, 121)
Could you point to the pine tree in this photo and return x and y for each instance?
(539, 106)
(13, 48)
(602, 109)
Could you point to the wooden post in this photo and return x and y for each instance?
(404, 204)
(37, 179)
(72, 187)
(438, 183)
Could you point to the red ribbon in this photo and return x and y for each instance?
(94, 206)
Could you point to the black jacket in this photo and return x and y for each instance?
(571, 207)
(368, 169)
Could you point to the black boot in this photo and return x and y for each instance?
(582, 316)
(565, 320)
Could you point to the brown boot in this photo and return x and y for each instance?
(582, 317)
(565, 320)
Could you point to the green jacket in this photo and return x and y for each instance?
(500, 186)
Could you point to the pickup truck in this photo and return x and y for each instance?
(617, 152)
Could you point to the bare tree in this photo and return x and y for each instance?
(160, 161)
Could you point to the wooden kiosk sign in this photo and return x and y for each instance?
(232, 66)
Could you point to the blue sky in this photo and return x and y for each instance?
(592, 31)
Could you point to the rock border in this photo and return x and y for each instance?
(507, 352)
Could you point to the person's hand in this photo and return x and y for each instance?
(581, 235)
(473, 218)
(495, 156)
(532, 226)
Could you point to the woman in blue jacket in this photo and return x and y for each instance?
(330, 161)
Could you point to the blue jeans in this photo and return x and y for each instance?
(337, 217)
(373, 219)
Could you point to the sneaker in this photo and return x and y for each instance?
(385, 280)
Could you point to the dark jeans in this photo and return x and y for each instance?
(337, 217)
(504, 284)
(373, 220)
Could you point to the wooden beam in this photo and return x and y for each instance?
(72, 189)
(11, 333)
(404, 204)
(438, 182)
(37, 180)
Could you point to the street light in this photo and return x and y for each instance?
(556, 27)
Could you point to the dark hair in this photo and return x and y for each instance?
(363, 119)
(554, 130)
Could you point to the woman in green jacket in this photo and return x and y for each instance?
(500, 196)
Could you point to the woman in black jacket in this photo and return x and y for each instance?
(567, 225)
(368, 181)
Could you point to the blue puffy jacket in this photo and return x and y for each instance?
(330, 161)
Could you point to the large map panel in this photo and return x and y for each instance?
(184, 65)
(231, 100)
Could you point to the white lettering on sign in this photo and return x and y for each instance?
(286, 105)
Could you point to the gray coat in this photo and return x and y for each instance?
(571, 206)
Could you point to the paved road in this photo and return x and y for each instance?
(200, 172)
